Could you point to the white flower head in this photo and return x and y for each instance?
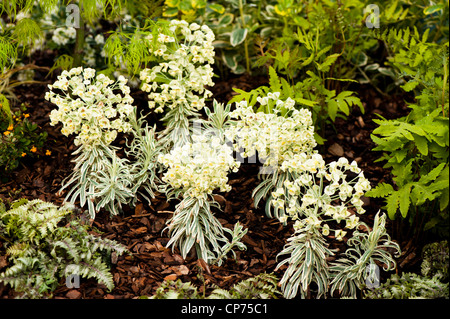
(89, 114)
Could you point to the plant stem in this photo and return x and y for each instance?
(247, 58)
(79, 44)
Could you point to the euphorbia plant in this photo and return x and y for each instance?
(195, 170)
(317, 196)
(96, 109)
(177, 83)
(278, 135)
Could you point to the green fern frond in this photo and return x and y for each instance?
(63, 62)
(263, 286)
(8, 52)
(69, 248)
(98, 270)
(45, 246)
(19, 249)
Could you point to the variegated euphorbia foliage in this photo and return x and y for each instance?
(322, 201)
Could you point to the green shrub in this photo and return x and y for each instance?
(416, 146)
(19, 138)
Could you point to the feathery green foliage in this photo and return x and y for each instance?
(46, 243)
(26, 32)
(262, 286)
(8, 52)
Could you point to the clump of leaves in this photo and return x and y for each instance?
(433, 283)
(435, 260)
(410, 286)
(19, 138)
(45, 243)
(263, 286)
(416, 146)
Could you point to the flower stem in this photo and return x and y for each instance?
(79, 44)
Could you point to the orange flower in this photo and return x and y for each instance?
(10, 127)
(48, 153)
(24, 154)
(26, 115)
(33, 149)
(6, 132)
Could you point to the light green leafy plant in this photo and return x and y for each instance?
(96, 109)
(173, 60)
(365, 249)
(46, 243)
(317, 196)
(308, 268)
(410, 286)
(416, 146)
(307, 253)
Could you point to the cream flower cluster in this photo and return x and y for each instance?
(308, 199)
(276, 138)
(62, 36)
(200, 167)
(90, 106)
(186, 52)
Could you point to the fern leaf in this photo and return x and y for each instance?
(274, 81)
(404, 199)
(392, 203)
(98, 270)
(329, 61)
(220, 293)
(27, 31)
(433, 174)
(8, 52)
